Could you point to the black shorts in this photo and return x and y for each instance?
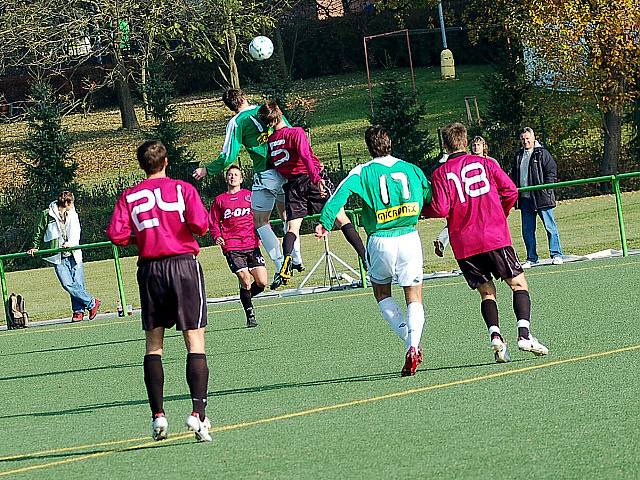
(244, 259)
(502, 263)
(172, 293)
(302, 197)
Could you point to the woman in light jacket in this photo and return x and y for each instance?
(59, 227)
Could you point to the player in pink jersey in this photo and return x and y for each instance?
(475, 196)
(308, 186)
(161, 216)
(232, 228)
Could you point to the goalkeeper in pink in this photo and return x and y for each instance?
(475, 196)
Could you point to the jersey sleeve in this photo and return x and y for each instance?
(196, 214)
(440, 205)
(230, 149)
(350, 185)
(506, 188)
(306, 155)
(119, 230)
(214, 220)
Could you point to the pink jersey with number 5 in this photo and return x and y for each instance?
(161, 216)
(475, 196)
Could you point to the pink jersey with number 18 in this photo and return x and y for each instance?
(475, 196)
(161, 216)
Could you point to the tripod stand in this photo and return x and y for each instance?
(329, 258)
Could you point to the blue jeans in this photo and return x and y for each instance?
(71, 276)
(529, 229)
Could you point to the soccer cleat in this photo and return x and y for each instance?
(93, 311)
(286, 272)
(278, 281)
(532, 345)
(500, 350)
(557, 260)
(410, 362)
(298, 267)
(159, 427)
(200, 428)
(420, 355)
(251, 318)
(438, 248)
(77, 316)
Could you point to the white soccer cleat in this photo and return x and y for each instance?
(500, 350)
(200, 428)
(159, 428)
(532, 345)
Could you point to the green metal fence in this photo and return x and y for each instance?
(354, 215)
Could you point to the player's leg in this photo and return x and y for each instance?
(296, 254)
(259, 281)
(197, 379)
(351, 234)
(441, 242)
(522, 310)
(293, 234)
(154, 381)
(246, 279)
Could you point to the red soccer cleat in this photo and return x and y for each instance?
(93, 311)
(411, 362)
(420, 355)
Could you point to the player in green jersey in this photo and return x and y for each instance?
(245, 129)
(393, 193)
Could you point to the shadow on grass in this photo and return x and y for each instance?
(64, 372)
(374, 377)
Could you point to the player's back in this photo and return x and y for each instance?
(475, 195)
(291, 153)
(393, 192)
(164, 215)
(254, 136)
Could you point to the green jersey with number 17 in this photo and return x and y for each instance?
(393, 192)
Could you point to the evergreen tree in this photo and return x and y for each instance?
(160, 92)
(47, 146)
(399, 111)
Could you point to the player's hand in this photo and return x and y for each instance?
(321, 231)
(220, 241)
(438, 248)
(324, 192)
(199, 173)
(32, 252)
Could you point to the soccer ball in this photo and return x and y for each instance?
(261, 48)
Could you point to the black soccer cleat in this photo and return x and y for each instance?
(298, 267)
(278, 281)
(251, 318)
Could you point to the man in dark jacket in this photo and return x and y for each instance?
(534, 165)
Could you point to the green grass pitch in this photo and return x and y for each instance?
(315, 391)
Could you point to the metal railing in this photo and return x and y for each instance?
(354, 215)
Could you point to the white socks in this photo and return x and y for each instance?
(393, 315)
(271, 245)
(415, 323)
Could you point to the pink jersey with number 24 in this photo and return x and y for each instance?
(475, 196)
(161, 216)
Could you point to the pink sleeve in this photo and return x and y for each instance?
(506, 188)
(439, 205)
(196, 215)
(119, 230)
(307, 155)
(214, 220)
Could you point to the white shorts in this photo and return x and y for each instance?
(395, 258)
(266, 189)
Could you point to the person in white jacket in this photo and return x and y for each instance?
(59, 227)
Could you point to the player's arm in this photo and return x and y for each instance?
(306, 155)
(215, 223)
(440, 205)
(506, 188)
(196, 214)
(350, 185)
(119, 230)
(229, 153)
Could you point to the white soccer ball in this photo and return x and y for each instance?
(261, 48)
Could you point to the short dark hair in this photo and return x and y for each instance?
(65, 199)
(232, 167)
(233, 98)
(378, 141)
(151, 156)
(270, 113)
(454, 137)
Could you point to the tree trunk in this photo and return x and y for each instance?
(125, 102)
(232, 46)
(282, 63)
(612, 125)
